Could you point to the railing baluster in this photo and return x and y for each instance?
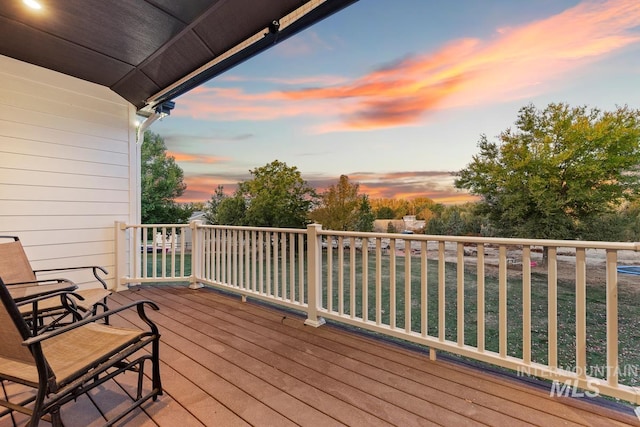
(365, 279)
(424, 295)
(581, 312)
(163, 243)
(283, 259)
(378, 281)
(612, 318)
(526, 304)
(247, 260)
(253, 261)
(292, 268)
(301, 270)
(407, 286)
(268, 244)
(460, 292)
(502, 300)
(352, 277)
(441, 291)
(480, 295)
(276, 272)
(261, 260)
(392, 285)
(329, 274)
(552, 316)
(340, 276)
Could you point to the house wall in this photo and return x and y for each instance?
(68, 167)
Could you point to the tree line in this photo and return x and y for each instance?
(560, 173)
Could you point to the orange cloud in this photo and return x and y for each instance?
(436, 185)
(516, 63)
(196, 158)
(472, 72)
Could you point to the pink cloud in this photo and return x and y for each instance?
(517, 62)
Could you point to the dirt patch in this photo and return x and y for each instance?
(566, 270)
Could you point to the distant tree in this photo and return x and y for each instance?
(559, 171)
(385, 212)
(391, 228)
(211, 208)
(342, 208)
(162, 181)
(365, 216)
(421, 207)
(277, 196)
(435, 226)
(231, 210)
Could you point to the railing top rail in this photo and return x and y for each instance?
(247, 228)
(157, 225)
(633, 246)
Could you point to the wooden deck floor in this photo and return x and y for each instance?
(229, 363)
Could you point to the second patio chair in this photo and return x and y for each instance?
(15, 269)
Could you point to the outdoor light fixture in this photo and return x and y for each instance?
(165, 108)
(33, 4)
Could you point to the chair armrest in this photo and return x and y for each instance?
(138, 304)
(40, 282)
(94, 268)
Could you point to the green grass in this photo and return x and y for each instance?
(168, 267)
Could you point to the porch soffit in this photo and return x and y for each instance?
(151, 51)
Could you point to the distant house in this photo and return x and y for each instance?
(198, 216)
(408, 223)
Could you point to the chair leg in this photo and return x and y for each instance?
(155, 362)
(140, 378)
(37, 407)
(6, 397)
(56, 419)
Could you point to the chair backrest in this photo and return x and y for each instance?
(14, 264)
(13, 330)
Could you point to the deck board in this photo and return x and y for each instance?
(225, 362)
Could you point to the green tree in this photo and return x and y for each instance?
(211, 208)
(277, 196)
(232, 210)
(557, 172)
(162, 181)
(385, 212)
(341, 207)
(365, 216)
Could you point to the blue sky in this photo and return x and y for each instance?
(395, 94)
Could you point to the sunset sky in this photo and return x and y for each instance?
(395, 94)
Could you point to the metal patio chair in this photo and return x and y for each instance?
(15, 269)
(67, 362)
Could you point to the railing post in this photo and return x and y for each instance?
(314, 266)
(196, 254)
(120, 241)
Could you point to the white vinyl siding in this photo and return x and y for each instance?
(68, 167)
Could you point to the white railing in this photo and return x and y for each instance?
(490, 299)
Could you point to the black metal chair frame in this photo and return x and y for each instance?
(53, 392)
